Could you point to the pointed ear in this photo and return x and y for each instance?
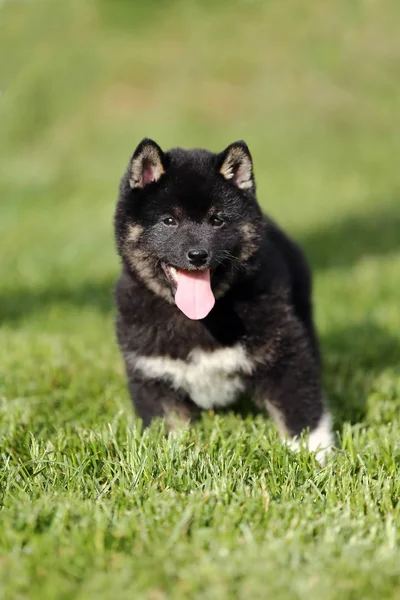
(147, 164)
(236, 165)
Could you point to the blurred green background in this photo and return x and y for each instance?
(314, 89)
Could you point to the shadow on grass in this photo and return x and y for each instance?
(343, 243)
(353, 358)
(17, 305)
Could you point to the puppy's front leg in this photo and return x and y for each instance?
(289, 388)
(155, 398)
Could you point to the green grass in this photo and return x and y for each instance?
(91, 507)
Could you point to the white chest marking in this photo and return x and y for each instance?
(211, 379)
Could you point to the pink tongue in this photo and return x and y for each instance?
(194, 296)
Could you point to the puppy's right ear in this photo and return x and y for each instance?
(147, 164)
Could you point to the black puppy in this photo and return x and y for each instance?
(214, 300)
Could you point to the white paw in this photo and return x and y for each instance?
(320, 440)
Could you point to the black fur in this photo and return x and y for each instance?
(260, 279)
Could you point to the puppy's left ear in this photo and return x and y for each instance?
(236, 165)
(147, 164)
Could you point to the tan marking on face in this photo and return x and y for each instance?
(145, 265)
(146, 268)
(134, 233)
(250, 239)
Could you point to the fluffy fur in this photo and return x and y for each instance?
(259, 338)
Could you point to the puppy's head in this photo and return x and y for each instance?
(187, 222)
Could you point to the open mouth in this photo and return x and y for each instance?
(193, 293)
(171, 274)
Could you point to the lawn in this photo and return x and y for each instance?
(91, 507)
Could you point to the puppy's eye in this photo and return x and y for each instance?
(217, 222)
(170, 221)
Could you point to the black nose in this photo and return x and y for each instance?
(197, 257)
